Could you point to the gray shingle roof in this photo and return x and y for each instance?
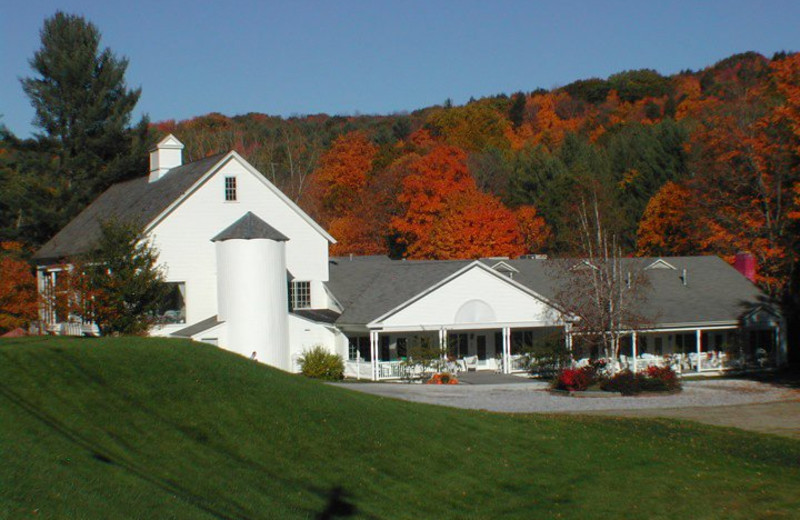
(197, 328)
(715, 291)
(137, 201)
(318, 315)
(368, 287)
(250, 227)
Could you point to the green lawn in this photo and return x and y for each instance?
(148, 428)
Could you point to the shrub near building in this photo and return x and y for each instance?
(318, 363)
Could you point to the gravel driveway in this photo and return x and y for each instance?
(534, 396)
(739, 403)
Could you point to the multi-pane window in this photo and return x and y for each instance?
(300, 295)
(359, 347)
(230, 189)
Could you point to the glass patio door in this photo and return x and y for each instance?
(481, 341)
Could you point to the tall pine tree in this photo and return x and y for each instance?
(84, 108)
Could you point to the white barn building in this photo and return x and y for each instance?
(251, 273)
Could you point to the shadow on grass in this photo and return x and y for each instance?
(338, 505)
(787, 377)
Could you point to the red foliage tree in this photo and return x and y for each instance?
(534, 231)
(18, 296)
(745, 154)
(429, 181)
(340, 180)
(472, 225)
(357, 235)
(666, 228)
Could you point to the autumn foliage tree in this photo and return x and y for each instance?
(342, 176)
(472, 225)
(534, 232)
(666, 227)
(746, 155)
(357, 235)
(18, 295)
(430, 180)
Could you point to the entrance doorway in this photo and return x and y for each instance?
(481, 341)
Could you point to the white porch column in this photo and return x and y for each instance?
(634, 350)
(373, 348)
(568, 341)
(506, 350)
(699, 341)
(358, 362)
(442, 344)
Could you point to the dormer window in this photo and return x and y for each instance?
(230, 189)
(660, 264)
(504, 268)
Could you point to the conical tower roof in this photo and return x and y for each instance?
(250, 227)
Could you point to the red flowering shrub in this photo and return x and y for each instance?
(575, 380)
(661, 379)
(654, 379)
(442, 378)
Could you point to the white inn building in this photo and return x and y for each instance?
(251, 273)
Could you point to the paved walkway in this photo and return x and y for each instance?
(487, 377)
(746, 404)
(779, 418)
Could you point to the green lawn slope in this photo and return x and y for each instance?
(149, 428)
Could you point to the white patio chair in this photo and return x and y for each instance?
(471, 363)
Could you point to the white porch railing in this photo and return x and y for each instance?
(691, 362)
(358, 369)
(389, 370)
(70, 328)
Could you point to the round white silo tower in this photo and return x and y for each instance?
(252, 290)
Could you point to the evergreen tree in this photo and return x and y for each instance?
(516, 114)
(84, 108)
(119, 283)
(30, 194)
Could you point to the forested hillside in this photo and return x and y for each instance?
(702, 162)
(699, 162)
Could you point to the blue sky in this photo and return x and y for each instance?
(346, 56)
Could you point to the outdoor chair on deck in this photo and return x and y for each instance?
(471, 363)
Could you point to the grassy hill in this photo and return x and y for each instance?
(148, 428)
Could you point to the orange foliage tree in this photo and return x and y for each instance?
(549, 125)
(429, 181)
(534, 231)
(357, 235)
(18, 296)
(339, 181)
(745, 153)
(473, 225)
(666, 227)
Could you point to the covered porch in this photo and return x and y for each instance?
(474, 319)
(400, 354)
(701, 349)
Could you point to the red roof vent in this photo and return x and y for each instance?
(745, 263)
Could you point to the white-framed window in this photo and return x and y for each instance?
(230, 189)
(172, 308)
(300, 295)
